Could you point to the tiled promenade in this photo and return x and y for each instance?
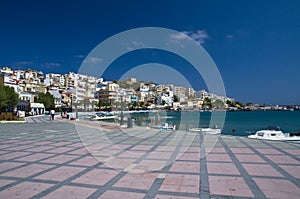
(46, 159)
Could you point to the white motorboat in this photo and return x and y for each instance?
(275, 135)
(166, 126)
(212, 131)
(103, 116)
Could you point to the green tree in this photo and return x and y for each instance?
(218, 104)
(239, 104)
(176, 98)
(46, 99)
(3, 98)
(8, 97)
(230, 103)
(12, 96)
(248, 104)
(142, 104)
(100, 104)
(207, 102)
(134, 104)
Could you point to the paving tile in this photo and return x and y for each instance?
(219, 164)
(19, 148)
(230, 186)
(60, 159)
(282, 159)
(60, 173)
(151, 165)
(9, 165)
(96, 177)
(293, 151)
(24, 190)
(249, 158)
(4, 146)
(23, 142)
(97, 146)
(85, 161)
(60, 150)
(121, 146)
(104, 152)
(188, 156)
(35, 157)
(142, 147)
(70, 192)
(137, 180)
(218, 157)
(81, 151)
(277, 188)
(6, 141)
(3, 152)
(60, 143)
(180, 183)
(222, 168)
(5, 182)
(13, 155)
(292, 170)
(180, 166)
(159, 196)
(261, 170)
(109, 194)
(215, 150)
(132, 154)
(242, 150)
(118, 163)
(159, 155)
(42, 143)
(78, 144)
(168, 148)
(268, 151)
(27, 171)
(40, 148)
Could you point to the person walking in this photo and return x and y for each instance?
(52, 112)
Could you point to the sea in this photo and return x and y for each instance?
(239, 123)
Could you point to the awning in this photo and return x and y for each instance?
(36, 105)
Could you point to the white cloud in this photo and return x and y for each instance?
(134, 45)
(200, 36)
(93, 60)
(180, 35)
(80, 56)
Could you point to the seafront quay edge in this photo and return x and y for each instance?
(51, 159)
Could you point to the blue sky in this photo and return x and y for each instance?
(255, 44)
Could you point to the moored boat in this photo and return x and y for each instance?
(166, 126)
(102, 116)
(275, 135)
(211, 131)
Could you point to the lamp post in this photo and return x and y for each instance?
(122, 106)
(71, 102)
(76, 108)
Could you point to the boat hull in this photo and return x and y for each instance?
(273, 135)
(206, 130)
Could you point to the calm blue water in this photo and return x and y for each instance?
(236, 123)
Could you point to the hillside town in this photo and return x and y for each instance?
(87, 93)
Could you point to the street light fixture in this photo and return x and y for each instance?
(122, 106)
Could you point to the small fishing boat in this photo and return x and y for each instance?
(212, 131)
(166, 126)
(102, 116)
(275, 134)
